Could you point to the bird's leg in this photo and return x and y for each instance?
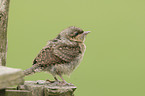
(56, 78)
(53, 81)
(63, 81)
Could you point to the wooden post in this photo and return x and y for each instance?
(43, 88)
(4, 6)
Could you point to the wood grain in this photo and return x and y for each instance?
(10, 77)
(4, 6)
(43, 88)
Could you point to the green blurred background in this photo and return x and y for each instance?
(113, 64)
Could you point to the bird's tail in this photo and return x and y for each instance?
(31, 70)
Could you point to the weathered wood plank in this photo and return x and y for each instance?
(12, 91)
(18, 93)
(59, 91)
(4, 6)
(10, 77)
(43, 88)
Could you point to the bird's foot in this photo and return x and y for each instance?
(55, 81)
(60, 83)
(50, 81)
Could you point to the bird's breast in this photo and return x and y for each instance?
(79, 58)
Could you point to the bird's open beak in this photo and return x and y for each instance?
(86, 32)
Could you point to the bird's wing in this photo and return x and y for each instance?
(67, 52)
(59, 54)
(47, 57)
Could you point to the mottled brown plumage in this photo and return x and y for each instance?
(62, 54)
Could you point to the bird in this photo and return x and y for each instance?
(61, 55)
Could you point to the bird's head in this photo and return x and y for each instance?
(74, 34)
